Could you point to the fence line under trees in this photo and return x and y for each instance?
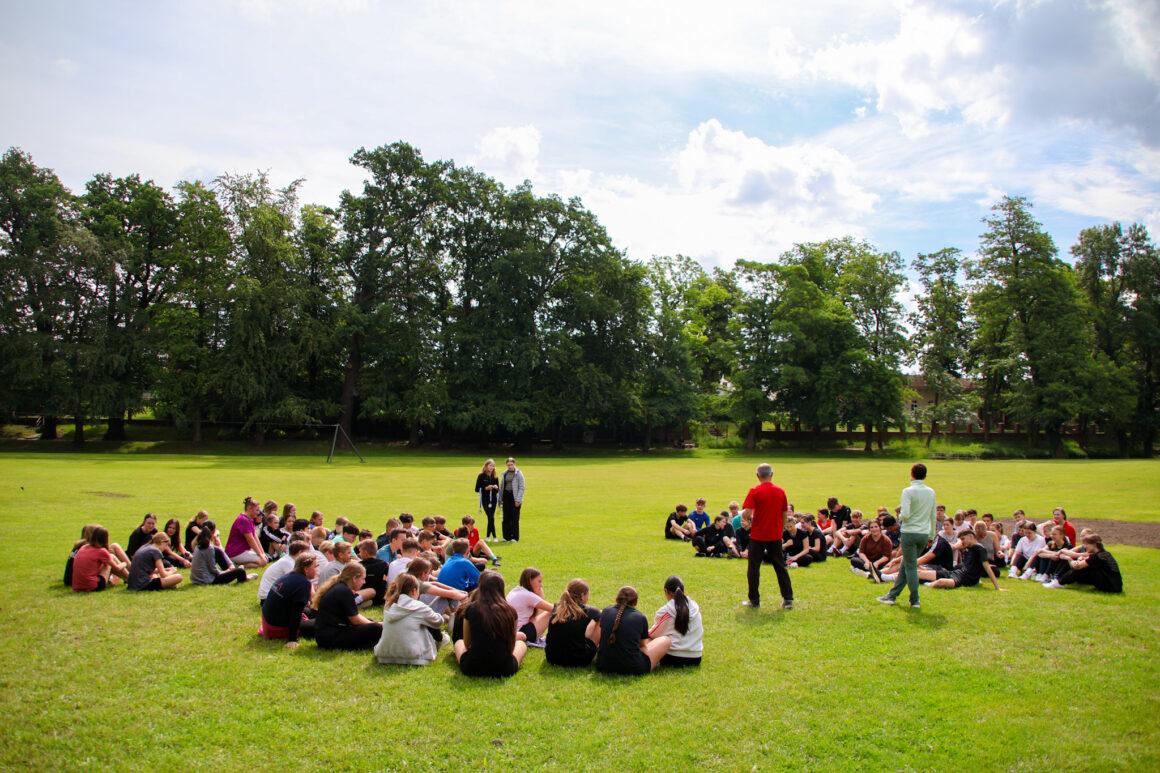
(435, 301)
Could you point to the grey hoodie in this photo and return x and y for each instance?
(405, 638)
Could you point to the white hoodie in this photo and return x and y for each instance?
(405, 638)
(686, 645)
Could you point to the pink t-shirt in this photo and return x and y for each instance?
(236, 544)
(87, 566)
(524, 602)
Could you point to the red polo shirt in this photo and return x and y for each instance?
(768, 503)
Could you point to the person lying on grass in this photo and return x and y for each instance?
(974, 565)
(491, 645)
(411, 635)
(625, 646)
(147, 571)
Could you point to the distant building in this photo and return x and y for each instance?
(924, 396)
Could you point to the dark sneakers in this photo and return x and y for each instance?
(787, 604)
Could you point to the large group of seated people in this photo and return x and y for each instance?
(434, 586)
(966, 547)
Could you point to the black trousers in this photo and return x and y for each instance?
(758, 550)
(352, 637)
(511, 517)
(489, 509)
(238, 573)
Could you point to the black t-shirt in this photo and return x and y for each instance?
(819, 540)
(742, 535)
(797, 540)
(488, 655)
(1103, 572)
(190, 536)
(482, 481)
(137, 539)
(841, 516)
(972, 564)
(142, 566)
(944, 554)
(567, 645)
(895, 536)
(376, 577)
(268, 537)
(622, 656)
(284, 604)
(674, 518)
(335, 610)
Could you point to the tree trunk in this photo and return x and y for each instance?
(881, 437)
(868, 446)
(1122, 443)
(558, 435)
(415, 434)
(933, 430)
(1055, 441)
(116, 430)
(48, 428)
(196, 425)
(646, 444)
(349, 383)
(260, 436)
(751, 436)
(79, 434)
(815, 436)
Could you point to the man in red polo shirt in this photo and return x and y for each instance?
(766, 504)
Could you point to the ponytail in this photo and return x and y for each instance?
(205, 536)
(626, 597)
(404, 583)
(674, 586)
(569, 607)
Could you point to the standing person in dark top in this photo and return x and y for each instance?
(766, 506)
(339, 626)
(142, 534)
(490, 646)
(624, 644)
(513, 500)
(573, 628)
(1096, 567)
(972, 568)
(487, 486)
(283, 607)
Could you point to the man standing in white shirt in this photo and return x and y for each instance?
(916, 519)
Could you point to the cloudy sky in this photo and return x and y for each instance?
(718, 131)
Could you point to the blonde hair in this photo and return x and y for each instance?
(348, 575)
(569, 607)
(404, 583)
(486, 463)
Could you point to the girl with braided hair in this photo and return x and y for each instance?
(625, 646)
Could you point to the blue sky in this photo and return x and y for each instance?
(721, 133)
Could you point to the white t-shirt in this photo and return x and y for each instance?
(397, 567)
(273, 573)
(524, 602)
(685, 645)
(1028, 546)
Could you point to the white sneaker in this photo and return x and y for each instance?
(1054, 584)
(889, 577)
(1012, 573)
(1041, 577)
(859, 572)
(1027, 575)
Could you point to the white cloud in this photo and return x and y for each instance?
(511, 154)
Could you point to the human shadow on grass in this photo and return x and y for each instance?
(762, 616)
(920, 619)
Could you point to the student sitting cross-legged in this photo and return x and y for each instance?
(490, 646)
(93, 565)
(147, 570)
(205, 569)
(1096, 567)
(288, 599)
(338, 624)
(411, 635)
(974, 565)
(532, 611)
(573, 628)
(625, 646)
(680, 620)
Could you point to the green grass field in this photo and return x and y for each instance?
(1029, 679)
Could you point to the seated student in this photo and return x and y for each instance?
(318, 520)
(93, 567)
(741, 536)
(974, 565)
(117, 556)
(839, 513)
(940, 553)
(426, 542)
(282, 610)
(350, 534)
(1059, 518)
(678, 525)
(407, 521)
(1051, 561)
(873, 554)
(849, 535)
(478, 550)
(735, 515)
(816, 540)
(438, 541)
(532, 611)
(625, 647)
(716, 540)
(699, 517)
(680, 620)
(411, 635)
(990, 544)
(335, 534)
(299, 544)
(573, 628)
(407, 554)
(384, 538)
(458, 572)
(795, 544)
(826, 524)
(376, 570)
(1004, 541)
(442, 598)
(242, 546)
(390, 551)
(441, 528)
(344, 555)
(141, 535)
(891, 529)
(192, 528)
(205, 570)
(490, 646)
(1026, 551)
(325, 552)
(147, 571)
(338, 625)
(289, 516)
(177, 555)
(1096, 567)
(271, 537)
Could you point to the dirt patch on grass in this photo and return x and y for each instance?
(1116, 532)
(109, 494)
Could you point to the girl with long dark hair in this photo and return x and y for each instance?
(490, 645)
(680, 620)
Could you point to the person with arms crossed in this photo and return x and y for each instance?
(766, 506)
(917, 526)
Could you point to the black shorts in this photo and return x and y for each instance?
(573, 660)
(102, 583)
(529, 631)
(475, 666)
(637, 665)
(154, 584)
(676, 661)
(942, 573)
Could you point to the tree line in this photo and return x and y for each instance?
(436, 300)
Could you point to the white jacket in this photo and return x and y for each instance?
(405, 638)
(686, 645)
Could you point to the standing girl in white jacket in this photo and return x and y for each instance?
(411, 635)
(680, 620)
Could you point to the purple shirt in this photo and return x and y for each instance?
(237, 544)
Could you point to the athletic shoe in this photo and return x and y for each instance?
(886, 600)
(1041, 577)
(539, 643)
(495, 561)
(1054, 584)
(1027, 575)
(1013, 573)
(788, 604)
(889, 577)
(252, 576)
(927, 584)
(916, 605)
(699, 555)
(751, 604)
(859, 572)
(792, 566)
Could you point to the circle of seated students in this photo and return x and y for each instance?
(965, 549)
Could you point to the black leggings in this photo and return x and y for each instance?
(511, 517)
(489, 509)
(858, 563)
(237, 573)
(350, 637)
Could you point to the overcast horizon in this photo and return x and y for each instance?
(716, 135)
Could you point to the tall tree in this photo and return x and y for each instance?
(1142, 282)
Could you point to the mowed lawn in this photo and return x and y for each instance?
(1029, 679)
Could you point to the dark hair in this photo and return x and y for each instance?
(428, 521)
(888, 521)
(398, 533)
(1094, 539)
(176, 524)
(298, 546)
(497, 616)
(247, 502)
(367, 545)
(674, 586)
(1031, 525)
(526, 577)
(147, 517)
(832, 502)
(460, 547)
(409, 544)
(682, 509)
(304, 562)
(462, 532)
(406, 518)
(918, 471)
(301, 524)
(418, 566)
(625, 597)
(205, 536)
(99, 538)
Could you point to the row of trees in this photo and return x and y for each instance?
(437, 300)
